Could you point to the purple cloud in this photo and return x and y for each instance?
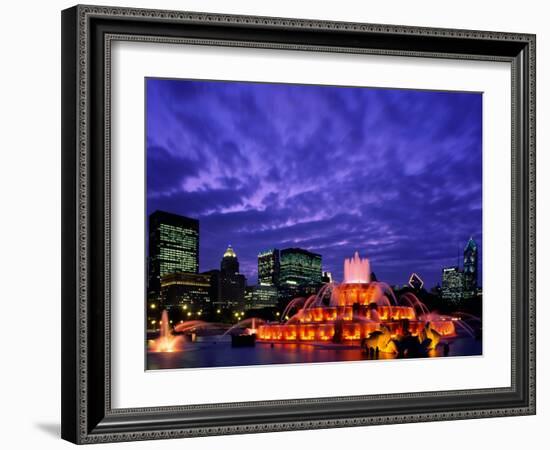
(395, 174)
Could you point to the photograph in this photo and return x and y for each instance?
(302, 223)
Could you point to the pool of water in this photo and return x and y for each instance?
(215, 351)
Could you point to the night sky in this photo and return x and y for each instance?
(395, 174)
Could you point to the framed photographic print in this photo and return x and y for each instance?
(277, 224)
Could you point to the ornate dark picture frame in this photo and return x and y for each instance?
(87, 34)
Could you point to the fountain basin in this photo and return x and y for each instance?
(350, 331)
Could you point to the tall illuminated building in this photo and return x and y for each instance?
(232, 283)
(173, 247)
(268, 267)
(300, 267)
(470, 268)
(230, 262)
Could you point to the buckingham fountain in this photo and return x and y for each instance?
(362, 312)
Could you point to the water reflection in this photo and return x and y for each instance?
(210, 351)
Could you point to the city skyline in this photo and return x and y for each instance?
(261, 167)
(275, 281)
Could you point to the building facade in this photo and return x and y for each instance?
(261, 296)
(173, 247)
(452, 286)
(185, 289)
(215, 287)
(300, 267)
(269, 267)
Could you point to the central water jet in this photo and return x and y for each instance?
(356, 270)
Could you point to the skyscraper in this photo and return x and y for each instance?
(470, 268)
(300, 267)
(452, 286)
(173, 246)
(232, 283)
(268, 267)
(230, 262)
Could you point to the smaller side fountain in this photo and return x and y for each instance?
(166, 342)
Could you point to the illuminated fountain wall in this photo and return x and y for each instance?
(358, 309)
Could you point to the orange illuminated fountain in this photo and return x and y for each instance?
(360, 311)
(166, 342)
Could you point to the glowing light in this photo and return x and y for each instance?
(153, 306)
(230, 253)
(360, 310)
(166, 342)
